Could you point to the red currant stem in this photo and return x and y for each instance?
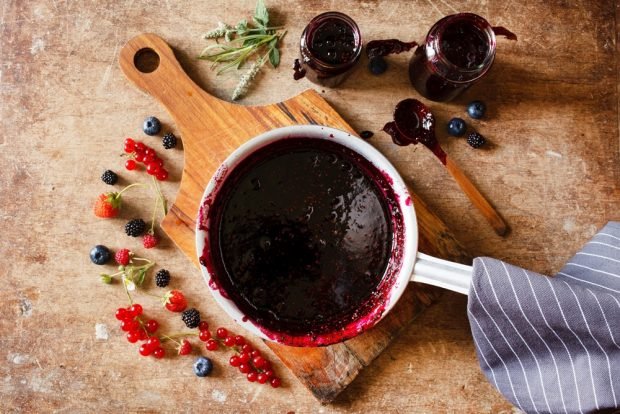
(160, 196)
(128, 187)
(177, 335)
(154, 212)
(150, 294)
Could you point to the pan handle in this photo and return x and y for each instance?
(442, 273)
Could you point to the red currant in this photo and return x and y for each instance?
(133, 336)
(152, 168)
(153, 342)
(149, 151)
(259, 362)
(140, 147)
(203, 326)
(129, 148)
(151, 325)
(204, 336)
(159, 161)
(130, 165)
(185, 348)
(129, 325)
(144, 350)
(255, 353)
(159, 353)
(239, 340)
(139, 157)
(121, 313)
(162, 174)
(244, 368)
(247, 348)
(244, 357)
(136, 309)
(275, 382)
(222, 333)
(262, 378)
(229, 341)
(143, 334)
(149, 158)
(269, 374)
(252, 375)
(129, 141)
(234, 361)
(212, 345)
(266, 365)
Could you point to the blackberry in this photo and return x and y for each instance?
(151, 126)
(135, 227)
(169, 141)
(475, 140)
(162, 278)
(109, 177)
(191, 318)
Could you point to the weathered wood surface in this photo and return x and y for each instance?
(552, 173)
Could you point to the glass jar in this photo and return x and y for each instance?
(329, 49)
(458, 51)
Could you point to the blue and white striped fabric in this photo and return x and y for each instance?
(552, 344)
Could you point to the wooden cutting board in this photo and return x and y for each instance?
(211, 129)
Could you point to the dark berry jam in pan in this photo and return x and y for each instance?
(301, 236)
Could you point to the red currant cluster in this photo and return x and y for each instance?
(248, 360)
(141, 153)
(139, 330)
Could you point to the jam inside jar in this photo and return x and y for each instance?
(330, 47)
(459, 49)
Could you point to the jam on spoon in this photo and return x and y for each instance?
(414, 123)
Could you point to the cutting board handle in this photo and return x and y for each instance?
(149, 62)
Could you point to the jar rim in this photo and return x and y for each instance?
(435, 53)
(316, 21)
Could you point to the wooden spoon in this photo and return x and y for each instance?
(414, 123)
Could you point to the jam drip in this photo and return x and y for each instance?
(502, 31)
(388, 47)
(299, 71)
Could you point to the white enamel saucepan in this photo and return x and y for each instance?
(405, 265)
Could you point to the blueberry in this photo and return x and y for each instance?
(203, 366)
(377, 65)
(100, 254)
(476, 109)
(456, 127)
(151, 126)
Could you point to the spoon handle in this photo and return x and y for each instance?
(487, 210)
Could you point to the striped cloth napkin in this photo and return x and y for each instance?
(552, 345)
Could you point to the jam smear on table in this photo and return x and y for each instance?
(301, 236)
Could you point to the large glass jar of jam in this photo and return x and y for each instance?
(330, 47)
(459, 50)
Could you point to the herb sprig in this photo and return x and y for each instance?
(243, 42)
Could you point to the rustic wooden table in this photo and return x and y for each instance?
(552, 171)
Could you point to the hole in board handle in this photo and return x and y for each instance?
(146, 60)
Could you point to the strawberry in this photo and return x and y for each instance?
(108, 205)
(150, 240)
(185, 348)
(175, 301)
(122, 257)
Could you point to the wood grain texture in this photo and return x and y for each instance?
(477, 199)
(211, 130)
(552, 170)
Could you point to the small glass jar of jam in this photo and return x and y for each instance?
(459, 50)
(330, 47)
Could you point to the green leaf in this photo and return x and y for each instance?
(261, 15)
(274, 57)
(140, 277)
